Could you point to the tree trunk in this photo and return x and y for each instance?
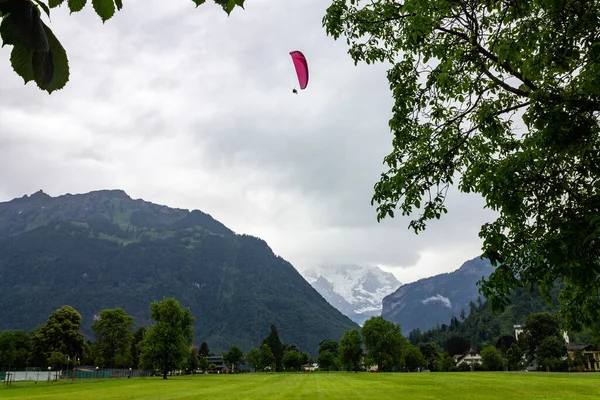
(165, 373)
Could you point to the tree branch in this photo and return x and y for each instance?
(379, 21)
(502, 84)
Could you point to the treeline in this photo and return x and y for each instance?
(166, 345)
(492, 335)
(57, 343)
(482, 327)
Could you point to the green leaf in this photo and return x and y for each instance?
(44, 7)
(43, 68)
(119, 4)
(104, 8)
(229, 5)
(24, 29)
(76, 5)
(51, 69)
(21, 59)
(55, 3)
(198, 2)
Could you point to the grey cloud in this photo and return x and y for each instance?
(193, 109)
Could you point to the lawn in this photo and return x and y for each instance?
(447, 386)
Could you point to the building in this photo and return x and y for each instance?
(518, 330)
(470, 357)
(589, 353)
(218, 362)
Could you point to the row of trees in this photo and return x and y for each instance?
(381, 343)
(166, 345)
(541, 343)
(274, 355)
(57, 342)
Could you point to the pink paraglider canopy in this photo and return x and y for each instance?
(301, 68)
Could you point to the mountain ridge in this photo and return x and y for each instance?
(434, 300)
(103, 249)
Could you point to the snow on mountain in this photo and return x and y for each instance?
(356, 290)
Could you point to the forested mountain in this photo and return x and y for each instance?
(104, 250)
(430, 301)
(482, 327)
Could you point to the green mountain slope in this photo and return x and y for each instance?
(482, 327)
(103, 250)
(424, 303)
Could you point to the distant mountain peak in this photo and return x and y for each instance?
(355, 290)
(106, 206)
(40, 194)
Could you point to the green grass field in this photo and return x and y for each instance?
(446, 386)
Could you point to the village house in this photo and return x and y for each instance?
(590, 354)
(218, 362)
(470, 357)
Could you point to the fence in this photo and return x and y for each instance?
(80, 372)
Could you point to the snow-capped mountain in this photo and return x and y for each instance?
(355, 290)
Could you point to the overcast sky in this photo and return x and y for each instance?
(189, 108)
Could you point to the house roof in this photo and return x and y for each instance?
(589, 347)
(471, 352)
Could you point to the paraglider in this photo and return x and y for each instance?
(301, 67)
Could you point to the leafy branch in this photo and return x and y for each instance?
(37, 54)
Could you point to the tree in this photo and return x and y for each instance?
(138, 336)
(538, 326)
(304, 358)
(491, 359)
(114, 335)
(443, 363)
(326, 360)
(550, 351)
(267, 357)
(202, 363)
(60, 335)
(276, 346)
(329, 345)
(57, 360)
(454, 324)
(254, 358)
(204, 351)
(292, 360)
(413, 358)
(233, 356)
(514, 356)
(504, 342)
(460, 73)
(15, 349)
(414, 337)
(166, 343)
(457, 345)
(384, 343)
(37, 54)
(351, 349)
(430, 351)
(193, 362)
